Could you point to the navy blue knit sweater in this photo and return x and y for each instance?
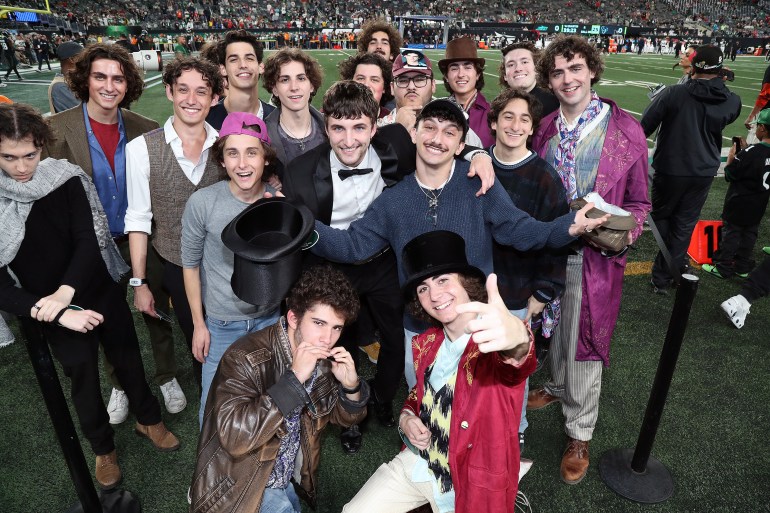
(399, 214)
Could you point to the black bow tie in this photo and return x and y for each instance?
(347, 173)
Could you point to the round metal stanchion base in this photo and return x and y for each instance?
(652, 486)
(113, 501)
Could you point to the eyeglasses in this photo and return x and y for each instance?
(418, 80)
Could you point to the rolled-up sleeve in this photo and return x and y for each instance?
(139, 212)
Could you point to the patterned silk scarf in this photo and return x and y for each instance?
(564, 159)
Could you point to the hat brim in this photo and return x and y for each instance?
(443, 64)
(409, 292)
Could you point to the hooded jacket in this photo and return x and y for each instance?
(691, 118)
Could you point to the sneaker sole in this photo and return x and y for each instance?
(176, 410)
(116, 422)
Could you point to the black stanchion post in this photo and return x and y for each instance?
(635, 474)
(116, 501)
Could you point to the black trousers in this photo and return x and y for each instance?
(78, 354)
(378, 288)
(676, 205)
(42, 56)
(758, 284)
(173, 283)
(736, 249)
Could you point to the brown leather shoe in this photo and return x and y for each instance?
(539, 398)
(161, 438)
(574, 463)
(108, 473)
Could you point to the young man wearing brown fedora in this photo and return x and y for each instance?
(463, 72)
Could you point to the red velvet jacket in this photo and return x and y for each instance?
(484, 430)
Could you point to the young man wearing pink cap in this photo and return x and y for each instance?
(243, 150)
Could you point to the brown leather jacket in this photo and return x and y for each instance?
(244, 422)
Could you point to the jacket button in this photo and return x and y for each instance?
(470, 446)
(464, 424)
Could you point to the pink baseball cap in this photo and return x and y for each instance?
(244, 123)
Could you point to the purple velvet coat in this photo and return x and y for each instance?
(622, 181)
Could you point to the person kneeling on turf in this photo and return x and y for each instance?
(460, 421)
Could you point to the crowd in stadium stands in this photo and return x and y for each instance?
(743, 17)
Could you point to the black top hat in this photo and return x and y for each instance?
(434, 253)
(266, 239)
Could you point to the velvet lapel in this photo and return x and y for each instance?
(322, 182)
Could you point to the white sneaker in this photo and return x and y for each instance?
(118, 406)
(737, 308)
(173, 396)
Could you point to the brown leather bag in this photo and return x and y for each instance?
(613, 234)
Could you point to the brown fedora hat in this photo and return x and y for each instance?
(460, 49)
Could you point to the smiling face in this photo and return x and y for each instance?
(244, 161)
(19, 159)
(192, 98)
(380, 43)
(513, 125)
(350, 138)
(106, 87)
(520, 69)
(320, 326)
(371, 76)
(241, 66)
(293, 87)
(437, 141)
(462, 77)
(570, 81)
(439, 297)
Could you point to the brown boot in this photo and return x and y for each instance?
(161, 438)
(574, 463)
(539, 398)
(108, 473)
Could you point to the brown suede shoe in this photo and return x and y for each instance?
(108, 473)
(574, 463)
(161, 438)
(539, 398)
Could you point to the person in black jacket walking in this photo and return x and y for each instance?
(691, 118)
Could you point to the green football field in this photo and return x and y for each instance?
(713, 433)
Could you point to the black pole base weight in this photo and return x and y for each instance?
(653, 485)
(113, 501)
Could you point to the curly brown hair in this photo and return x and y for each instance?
(271, 159)
(77, 78)
(210, 72)
(347, 69)
(19, 121)
(286, 55)
(475, 288)
(379, 25)
(347, 99)
(324, 285)
(568, 47)
(210, 52)
(521, 45)
(507, 95)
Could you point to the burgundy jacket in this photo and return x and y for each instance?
(484, 429)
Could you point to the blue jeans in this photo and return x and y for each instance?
(223, 334)
(280, 501)
(523, 425)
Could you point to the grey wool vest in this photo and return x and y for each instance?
(169, 191)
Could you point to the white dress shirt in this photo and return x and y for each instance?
(353, 195)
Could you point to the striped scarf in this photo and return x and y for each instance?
(564, 158)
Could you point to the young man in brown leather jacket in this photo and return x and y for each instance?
(273, 393)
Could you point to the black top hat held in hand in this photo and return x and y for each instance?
(266, 239)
